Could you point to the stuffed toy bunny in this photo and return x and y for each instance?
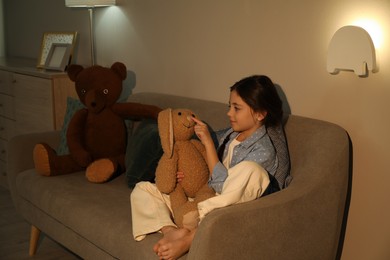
(182, 154)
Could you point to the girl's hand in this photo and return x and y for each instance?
(179, 176)
(202, 131)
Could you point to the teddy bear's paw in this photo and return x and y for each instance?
(101, 170)
(41, 159)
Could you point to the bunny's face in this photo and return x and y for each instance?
(175, 125)
(183, 125)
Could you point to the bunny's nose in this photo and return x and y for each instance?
(192, 123)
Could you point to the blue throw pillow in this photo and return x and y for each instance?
(72, 106)
(143, 152)
(278, 138)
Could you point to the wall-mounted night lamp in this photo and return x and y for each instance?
(351, 49)
(90, 5)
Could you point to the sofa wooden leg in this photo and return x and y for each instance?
(34, 238)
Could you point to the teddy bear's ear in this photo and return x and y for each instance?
(120, 69)
(165, 129)
(74, 70)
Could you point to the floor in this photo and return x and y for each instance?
(15, 236)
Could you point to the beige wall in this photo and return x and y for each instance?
(199, 48)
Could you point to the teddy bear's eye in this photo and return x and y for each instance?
(105, 91)
(83, 91)
(179, 113)
(193, 115)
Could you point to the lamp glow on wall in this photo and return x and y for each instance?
(90, 5)
(351, 49)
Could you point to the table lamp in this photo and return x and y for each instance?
(90, 5)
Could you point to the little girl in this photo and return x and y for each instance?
(241, 170)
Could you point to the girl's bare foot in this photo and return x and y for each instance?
(172, 249)
(170, 233)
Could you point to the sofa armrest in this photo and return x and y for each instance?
(249, 230)
(284, 225)
(20, 154)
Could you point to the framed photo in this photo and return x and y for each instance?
(55, 37)
(58, 57)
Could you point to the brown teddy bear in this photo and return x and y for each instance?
(182, 154)
(96, 135)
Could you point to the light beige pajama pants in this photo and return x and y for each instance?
(151, 209)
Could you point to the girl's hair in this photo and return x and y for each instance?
(260, 94)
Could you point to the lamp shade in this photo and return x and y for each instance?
(89, 3)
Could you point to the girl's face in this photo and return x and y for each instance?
(242, 117)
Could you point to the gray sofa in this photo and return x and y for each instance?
(304, 221)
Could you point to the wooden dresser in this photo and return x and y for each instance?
(31, 100)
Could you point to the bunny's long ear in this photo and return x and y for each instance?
(165, 129)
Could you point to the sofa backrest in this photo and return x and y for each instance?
(314, 145)
(213, 113)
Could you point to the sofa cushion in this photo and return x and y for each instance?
(143, 153)
(100, 213)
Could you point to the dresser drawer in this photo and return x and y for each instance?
(7, 106)
(33, 104)
(3, 150)
(6, 80)
(7, 128)
(3, 174)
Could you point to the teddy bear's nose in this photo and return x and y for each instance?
(93, 104)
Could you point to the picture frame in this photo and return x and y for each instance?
(58, 57)
(49, 38)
